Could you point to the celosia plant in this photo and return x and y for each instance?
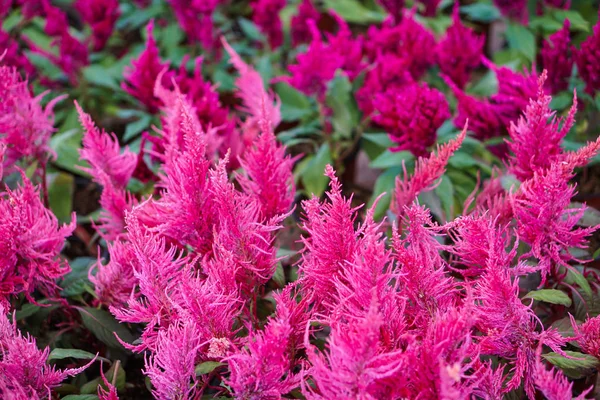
(195, 216)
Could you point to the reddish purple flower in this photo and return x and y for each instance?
(196, 19)
(114, 282)
(12, 55)
(408, 39)
(587, 59)
(140, 77)
(56, 20)
(266, 16)
(389, 73)
(412, 116)
(101, 15)
(299, 24)
(557, 58)
(349, 48)
(459, 52)
(395, 8)
(588, 335)
(430, 7)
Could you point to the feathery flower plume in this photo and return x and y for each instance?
(460, 50)
(299, 23)
(101, 15)
(348, 47)
(426, 174)
(557, 58)
(114, 282)
(553, 384)
(587, 60)
(412, 116)
(25, 125)
(266, 16)
(536, 137)
(171, 368)
(141, 76)
(30, 243)
(331, 241)
(12, 55)
(196, 19)
(263, 368)
(56, 19)
(24, 369)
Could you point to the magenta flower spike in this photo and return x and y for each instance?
(557, 58)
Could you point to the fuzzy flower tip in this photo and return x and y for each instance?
(141, 76)
(588, 335)
(557, 59)
(459, 52)
(412, 116)
(588, 60)
(101, 15)
(537, 135)
(30, 243)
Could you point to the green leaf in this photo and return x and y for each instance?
(577, 277)
(575, 367)
(345, 112)
(104, 326)
(445, 191)
(380, 139)
(66, 145)
(481, 12)
(521, 39)
(313, 177)
(207, 367)
(76, 281)
(135, 127)
(81, 397)
(552, 296)
(561, 101)
(100, 76)
(461, 160)
(60, 354)
(27, 311)
(60, 195)
(251, 30)
(294, 104)
(391, 159)
(279, 275)
(354, 12)
(578, 23)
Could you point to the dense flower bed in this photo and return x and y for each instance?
(328, 200)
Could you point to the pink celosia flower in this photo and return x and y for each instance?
(422, 277)
(30, 243)
(171, 368)
(459, 52)
(25, 125)
(266, 16)
(354, 366)
(268, 173)
(588, 335)
(101, 15)
(412, 116)
(426, 174)
(557, 58)
(553, 384)
(101, 150)
(56, 20)
(545, 220)
(196, 19)
(263, 368)
(587, 61)
(408, 39)
(24, 369)
(348, 47)
(389, 73)
(516, 9)
(5, 6)
(110, 393)
(331, 241)
(114, 282)
(141, 76)
(299, 23)
(536, 137)
(315, 67)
